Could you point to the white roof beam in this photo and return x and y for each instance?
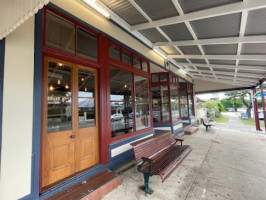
(212, 12)
(229, 40)
(220, 57)
(225, 81)
(246, 67)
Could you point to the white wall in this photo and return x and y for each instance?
(15, 179)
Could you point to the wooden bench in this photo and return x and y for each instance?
(207, 123)
(159, 155)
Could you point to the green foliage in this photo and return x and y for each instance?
(212, 108)
(221, 107)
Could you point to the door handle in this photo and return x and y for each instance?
(72, 136)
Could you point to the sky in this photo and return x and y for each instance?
(211, 95)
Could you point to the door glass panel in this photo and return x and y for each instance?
(59, 99)
(86, 101)
(141, 88)
(59, 33)
(86, 44)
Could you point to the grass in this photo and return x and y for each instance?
(221, 119)
(250, 121)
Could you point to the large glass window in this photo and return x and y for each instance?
(86, 98)
(59, 99)
(86, 44)
(174, 102)
(128, 114)
(59, 33)
(160, 104)
(183, 104)
(114, 52)
(142, 102)
(190, 105)
(122, 112)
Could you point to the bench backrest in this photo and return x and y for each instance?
(150, 146)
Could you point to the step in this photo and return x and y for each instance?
(191, 130)
(92, 188)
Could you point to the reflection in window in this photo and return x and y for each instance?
(59, 99)
(144, 66)
(163, 77)
(114, 52)
(174, 103)
(136, 62)
(86, 98)
(59, 33)
(86, 44)
(160, 105)
(190, 104)
(155, 78)
(122, 116)
(183, 104)
(142, 112)
(126, 58)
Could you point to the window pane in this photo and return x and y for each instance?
(126, 58)
(183, 104)
(155, 78)
(160, 104)
(59, 114)
(59, 33)
(86, 44)
(86, 83)
(174, 103)
(121, 85)
(170, 78)
(86, 98)
(144, 66)
(114, 52)
(190, 104)
(122, 118)
(142, 115)
(163, 77)
(136, 62)
(86, 112)
(141, 88)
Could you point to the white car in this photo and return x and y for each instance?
(117, 116)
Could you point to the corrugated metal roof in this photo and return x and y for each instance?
(252, 62)
(249, 49)
(153, 35)
(201, 61)
(180, 60)
(256, 23)
(192, 50)
(223, 70)
(196, 5)
(125, 10)
(170, 50)
(203, 68)
(157, 9)
(215, 27)
(223, 49)
(177, 32)
(222, 62)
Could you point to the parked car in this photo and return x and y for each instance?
(116, 116)
(130, 116)
(261, 116)
(231, 110)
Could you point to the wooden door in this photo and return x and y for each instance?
(70, 127)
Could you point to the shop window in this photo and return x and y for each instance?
(163, 77)
(122, 116)
(144, 66)
(142, 108)
(86, 98)
(155, 78)
(190, 105)
(174, 102)
(59, 99)
(86, 44)
(136, 62)
(126, 58)
(183, 104)
(160, 104)
(114, 52)
(59, 33)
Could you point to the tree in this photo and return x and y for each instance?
(241, 96)
(212, 108)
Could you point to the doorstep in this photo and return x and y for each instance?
(91, 188)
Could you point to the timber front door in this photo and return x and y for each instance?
(70, 127)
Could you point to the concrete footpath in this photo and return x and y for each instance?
(224, 164)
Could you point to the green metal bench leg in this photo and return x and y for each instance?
(145, 188)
